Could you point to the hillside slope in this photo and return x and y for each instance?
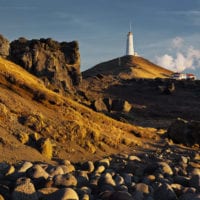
(128, 67)
(30, 112)
(137, 81)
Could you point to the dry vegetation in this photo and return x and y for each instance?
(128, 67)
(35, 121)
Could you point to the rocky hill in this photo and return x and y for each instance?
(128, 67)
(55, 148)
(56, 63)
(154, 99)
(36, 121)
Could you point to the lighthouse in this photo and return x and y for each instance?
(129, 44)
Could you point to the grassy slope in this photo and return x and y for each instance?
(77, 132)
(129, 67)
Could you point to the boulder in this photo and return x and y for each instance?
(57, 64)
(46, 147)
(120, 195)
(99, 105)
(37, 172)
(185, 132)
(164, 168)
(63, 194)
(142, 187)
(65, 180)
(165, 192)
(88, 166)
(121, 105)
(4, 47)
(24, 190)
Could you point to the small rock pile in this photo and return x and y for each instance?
(149, 176)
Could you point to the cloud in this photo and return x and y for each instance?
(177, 42)
(186, 58)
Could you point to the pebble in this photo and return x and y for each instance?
(118, 177)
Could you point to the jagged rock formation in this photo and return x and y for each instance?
(4, 47)
(57, 64)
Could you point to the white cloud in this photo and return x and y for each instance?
(177, 42)
(165, 61)
(186, 58)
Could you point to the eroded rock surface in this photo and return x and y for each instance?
(57, 64)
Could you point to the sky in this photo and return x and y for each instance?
(166, 32)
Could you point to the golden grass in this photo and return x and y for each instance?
(69, 121)
(129, 67)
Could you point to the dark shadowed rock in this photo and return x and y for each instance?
(4, 47)
(185, 132)
(57, 64)
(63, 194)
(120, 195)
(169, 88)
(121, 105)
(165, 192)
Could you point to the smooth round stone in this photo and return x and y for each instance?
(85, 197)
(106, 179)
(56, 171)
(127, 178)
(189, 196)
(119, 180)
(88, 166)
(25, 166)
(10, 170)
(100, 169)
(46, 191)
(68, 168)
(36, 172)
(63, 194)
(134, 158)
(121, 195)
(165, 168)
(151, 178)
(142, 187)
(105, 162)
(24, 190)
(165, 192)
(65, 180)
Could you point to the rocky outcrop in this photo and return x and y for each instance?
(185, 132)
(4, 47)
(57, 64)
(108, 105)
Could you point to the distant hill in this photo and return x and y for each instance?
(128, 67)
(137, 80)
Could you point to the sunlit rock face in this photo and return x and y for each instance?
(57, 64)
(4, 47)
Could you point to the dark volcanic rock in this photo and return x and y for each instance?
(121, 105)
(169, 88)
(57, 64)
(4, 47)
(182, 131)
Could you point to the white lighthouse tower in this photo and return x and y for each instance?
(129, 44)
